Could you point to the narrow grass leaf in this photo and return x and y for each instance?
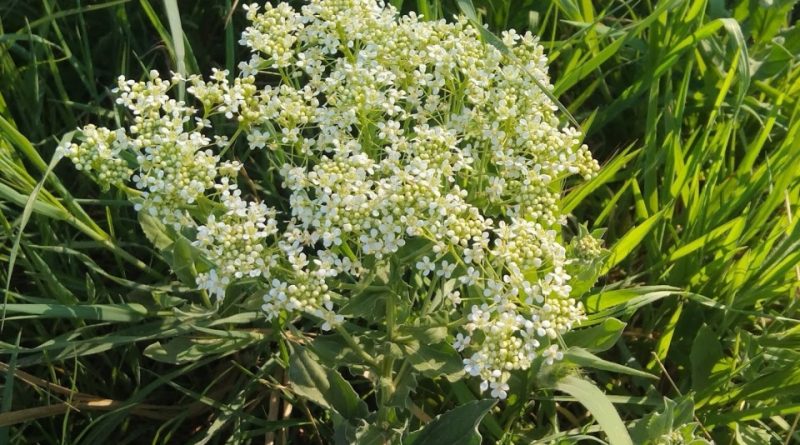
(590, 396)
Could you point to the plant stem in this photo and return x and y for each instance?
(385, 382)
(357, 348)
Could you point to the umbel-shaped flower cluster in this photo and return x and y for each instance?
(384, 129)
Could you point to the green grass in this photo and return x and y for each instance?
(692, 106)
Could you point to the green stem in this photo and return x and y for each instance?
(357, 348)
(385, 383)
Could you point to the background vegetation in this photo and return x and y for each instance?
(692, 106)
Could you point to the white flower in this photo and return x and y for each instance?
(461, 342)
(426, 266)
(472, 367)
(499, 390)
(446, 269)
(454, 297)
(369, 153)
(332, 319)
(552, 354)
(471, 277)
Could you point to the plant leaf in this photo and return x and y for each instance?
(596, 338)
(590, 396)
(458, 426)
(324, 386)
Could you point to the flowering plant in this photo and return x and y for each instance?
(390, 183)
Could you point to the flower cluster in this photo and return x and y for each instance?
(384, 129)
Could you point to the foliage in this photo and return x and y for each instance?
(690, 106)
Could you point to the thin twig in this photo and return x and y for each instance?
(792, 430)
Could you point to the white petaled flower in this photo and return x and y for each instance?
(381, 132)
(446, 269)
(426, 266)
(499, 390)
(461, 342)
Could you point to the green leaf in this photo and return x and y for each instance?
(181, 256)
(182, 350)
(706, 352)
(435, 360)
(707, 240)
(458, 426)
(324, 386)
(631, 240)
(584, 358)
(676, 417)
(426, 333)
(26, 214)
(332, 349)
(624, 301)
(155, 231)
(101, 312)
(596, 338)
(605, 175)
(364, 304)
(590, 396)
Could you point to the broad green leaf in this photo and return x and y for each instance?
(181, 256)
(333, 350)
(425, 333)
(323, 386)
(675, 420)
(706, 352)
(458, 426)
(435, 360)
(597, 338)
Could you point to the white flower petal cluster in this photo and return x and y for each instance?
(99, 155)
(384, 128)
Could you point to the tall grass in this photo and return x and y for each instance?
(693, 106)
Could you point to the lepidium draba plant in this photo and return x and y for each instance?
(385, 184)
